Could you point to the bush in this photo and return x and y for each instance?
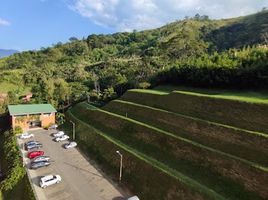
(18, 130)
(108, 94)
(144, 85)
(60, 118)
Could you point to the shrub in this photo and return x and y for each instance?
(18, 130)
(144, 85)
(60, 118)
(109, 94)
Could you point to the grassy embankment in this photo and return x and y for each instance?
(232, 140)
(155, 143)
(246, 115)
(145, 176)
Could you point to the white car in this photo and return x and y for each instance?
(133, 198)
(26, 136)
(70, 145)
(49, 180)
(54, 126)
(62, 138)
(58, 134)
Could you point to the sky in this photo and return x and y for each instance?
(32, 24)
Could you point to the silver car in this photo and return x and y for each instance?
(37, 165)
(41, 159)
(58, 134)
(70, 145)
(62, 138)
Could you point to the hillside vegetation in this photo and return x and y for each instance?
(196, 51)
(207, 145)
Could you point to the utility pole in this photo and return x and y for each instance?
(88, 99)
(121, 165)
(73, 129)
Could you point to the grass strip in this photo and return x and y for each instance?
(195, 119)
(160, 166)
(231, 97)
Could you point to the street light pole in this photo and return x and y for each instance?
(73, 129)
(121, 165)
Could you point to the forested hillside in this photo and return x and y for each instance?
(196, 51)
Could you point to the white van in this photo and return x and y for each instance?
(49, 180)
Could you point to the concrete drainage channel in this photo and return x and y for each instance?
(81, 180)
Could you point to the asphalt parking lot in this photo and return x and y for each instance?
(81, 180)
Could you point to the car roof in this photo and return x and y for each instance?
(35, 151)
(47, 177)
(50, 176)
(133, 198)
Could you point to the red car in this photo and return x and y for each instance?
(34, 154)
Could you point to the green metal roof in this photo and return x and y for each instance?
(24, 109)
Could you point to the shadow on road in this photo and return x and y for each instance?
(79, 168)
(36, 180)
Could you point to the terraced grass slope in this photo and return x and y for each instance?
(215, 173)
(248, 115)
(145, 176)
(239, 142)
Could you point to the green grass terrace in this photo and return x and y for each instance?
(260, 97)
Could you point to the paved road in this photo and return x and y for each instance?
(81, 179)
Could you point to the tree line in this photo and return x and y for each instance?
(195, 51)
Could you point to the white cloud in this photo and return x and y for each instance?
(126, 15)
(4, 22)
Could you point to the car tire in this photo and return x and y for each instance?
(44, 186)
(58, 182)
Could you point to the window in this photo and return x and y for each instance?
(47, 114)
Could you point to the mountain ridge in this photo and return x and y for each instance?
(7, 52)
(198, 51)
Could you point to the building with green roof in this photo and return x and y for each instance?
(29, 116)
